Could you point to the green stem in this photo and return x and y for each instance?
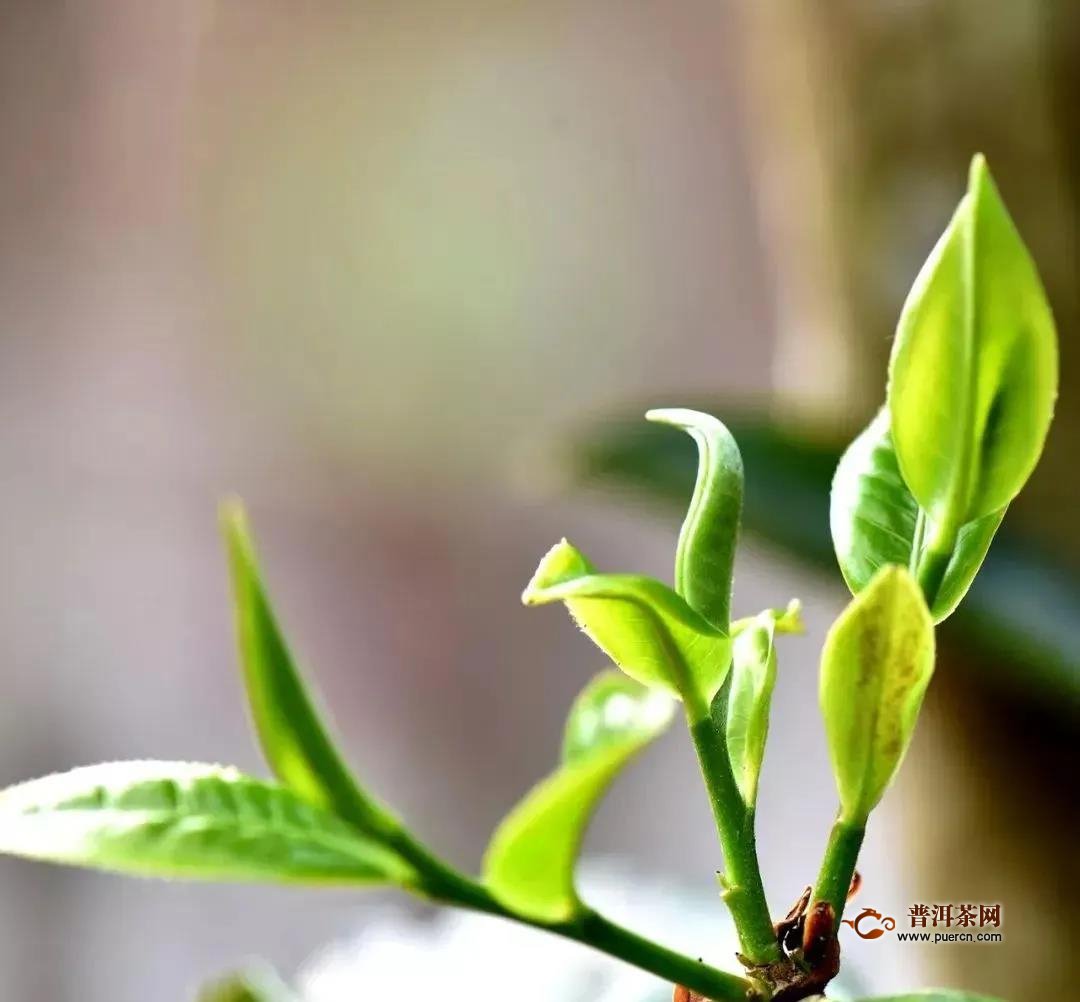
(743, 889)
(838, 866)
(442, 883)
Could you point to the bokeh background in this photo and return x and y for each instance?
(403, 276)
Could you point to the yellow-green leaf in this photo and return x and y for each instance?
(974, 370)
(753, 675)
(290, 728)
(642, 625)
(706, 552)
(529, 866)
(191, 821)
(875, 666)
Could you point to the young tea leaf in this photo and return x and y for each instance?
(529, 865)
(753, 675)
(184, 820)
(875, 666)
(643, 626)
(706, 551)
(974, 371)
(290, 728)
(875, 521)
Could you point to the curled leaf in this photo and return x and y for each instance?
(706, 551)
(875, 522)
(529, 865)
(642, 625)
(753, 675)
(875, 666)
(184, 820)
(290, 728)
(974, 371)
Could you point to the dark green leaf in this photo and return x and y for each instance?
(529, 865)
(642, 625)
(290, 728)
(184, 820)
(874, 520)
(706, 552)
(875, 666)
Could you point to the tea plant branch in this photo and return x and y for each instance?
(743, 890)
(915, 504)
(838, 866)
(441, 883)
(704, 561)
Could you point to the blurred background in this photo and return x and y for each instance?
(405, 277)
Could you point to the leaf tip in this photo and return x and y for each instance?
(233, 519)
(563, 562)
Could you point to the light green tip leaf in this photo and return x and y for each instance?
(875, 666)
(753, 675)
(874, 520)
(974, 368)
(705, 555)
(290, 728)
(529, 865)
(642, 625)
(190, 821)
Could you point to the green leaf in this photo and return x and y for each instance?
(934, 995)
(258, 984)
(706, 551)
(529, 865)
(875, 666)
(642, 625)
(875, 519)
(178, 819)
(1018, 619)
(974, 369)
(290, 729)
(753, 675)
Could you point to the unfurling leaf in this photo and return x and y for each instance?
(184, 820)
(706, 551)
(290, 728)
(973, 374)
(753, 675)
(875, 521)
(642, 625)
(875, 667)
(529, 866)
